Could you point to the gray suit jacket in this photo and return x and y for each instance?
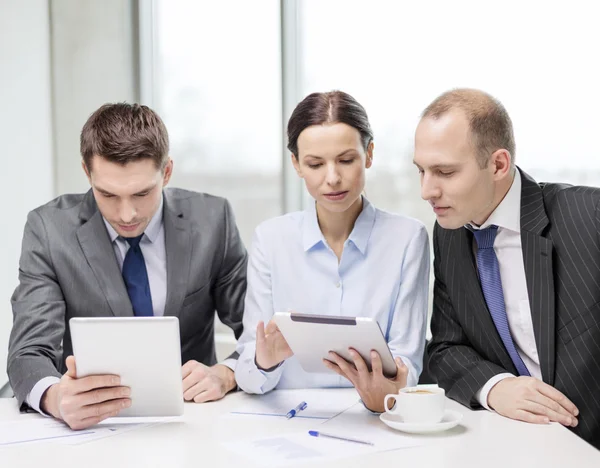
(560, 236)
(68, 269)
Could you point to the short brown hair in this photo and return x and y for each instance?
(489, 122)
(328, 108)
(124, 133)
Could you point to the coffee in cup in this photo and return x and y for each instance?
(421, 404)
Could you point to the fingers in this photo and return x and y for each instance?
(99, 395)
(205, 390)
(212, 394)
(85, 384)
(260, 333)
(558, 397)
(553, 410)
(78, 417)
(93, 420)
(542, 410)
(400, 363)
(271, 327)
(71, 369)
(198, 373)
(196, 389)
(330, 365)
(103, 409)
(348, 370)
(359, 363)
(523, 415)
(188, 367)
(376, 364)
(401, 371)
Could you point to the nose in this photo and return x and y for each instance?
(430, 190)
(333, 175)
(127, 212)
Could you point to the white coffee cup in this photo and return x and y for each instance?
(421, 404)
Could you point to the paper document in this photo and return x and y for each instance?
(295, 447)
(322, 404)
(36, 430)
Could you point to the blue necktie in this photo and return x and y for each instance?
(136, 279)
(489, 275)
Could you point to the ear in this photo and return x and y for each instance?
(500, 161)
(87, 173)
(369, 161)
(296, 165)
(167, 172)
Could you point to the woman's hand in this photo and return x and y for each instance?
(371, 386)
(271, 347)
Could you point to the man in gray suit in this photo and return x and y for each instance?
(128, 247)
(516, 307)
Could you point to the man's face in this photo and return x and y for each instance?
(451, 180)
(128, 196)
(332, 162)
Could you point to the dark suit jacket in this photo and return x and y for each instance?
(68, 269)
(560, 229)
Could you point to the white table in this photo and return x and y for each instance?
(483, 439)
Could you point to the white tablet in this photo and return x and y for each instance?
(311, 337)
(144, 351)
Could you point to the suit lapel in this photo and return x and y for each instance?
(537, 258)
(179, 251)
(470, 281)
(99, 253)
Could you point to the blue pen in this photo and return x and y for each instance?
(331, 436)
(291, 413)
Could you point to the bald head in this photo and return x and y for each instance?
(489, 123)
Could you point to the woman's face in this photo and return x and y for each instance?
(332, 162)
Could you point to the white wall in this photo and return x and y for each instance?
(26, 177)
(93, 62)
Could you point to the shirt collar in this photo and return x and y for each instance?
(359, 236)
(152, 230)
(507, 214)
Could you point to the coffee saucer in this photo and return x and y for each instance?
(451, 418)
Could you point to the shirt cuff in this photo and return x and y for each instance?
(231, 363)
(34, 399)
(482, 394)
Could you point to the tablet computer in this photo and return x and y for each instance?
(144, 351)
(311, 337)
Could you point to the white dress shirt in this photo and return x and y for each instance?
(155, 257)
(507, 216)
(383, 274)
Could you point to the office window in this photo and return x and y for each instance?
(217, 86)
(538, 58)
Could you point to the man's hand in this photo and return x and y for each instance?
(271, 347)
(531, 400)
(83, 402)
(202, 383)
(371, 386)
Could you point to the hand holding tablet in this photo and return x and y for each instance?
(271, 347)
(144, 352)
(312, 337)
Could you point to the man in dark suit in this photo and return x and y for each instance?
(127, 247)
(516, 311)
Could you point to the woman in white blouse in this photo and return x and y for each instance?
(341, 256)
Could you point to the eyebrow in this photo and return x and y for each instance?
(106, 192)
(339, 155)
(439, 166)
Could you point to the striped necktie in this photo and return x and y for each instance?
(489, 276)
